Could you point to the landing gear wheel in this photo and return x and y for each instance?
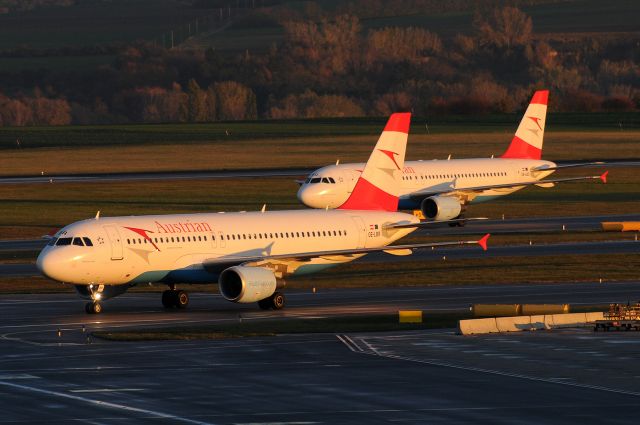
(167, 299)
(93, 307)
(172, 298)
(458, 223)
(181, 299)
(265, 304)
(278, 301)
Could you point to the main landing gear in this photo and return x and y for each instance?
(460, 223)
(174, 298)
(274, 302)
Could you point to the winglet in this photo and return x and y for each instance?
(603, 177)
(483, 241)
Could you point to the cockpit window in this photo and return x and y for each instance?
(87, 241)
(325, 180)
(331, 180)
(52, 242)
(78, 242)
(63, 241)
(315, 180)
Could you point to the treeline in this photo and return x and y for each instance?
(331, 68)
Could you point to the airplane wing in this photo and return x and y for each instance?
(218, 264)
(475, 189)
(561, 167)
(426, 224)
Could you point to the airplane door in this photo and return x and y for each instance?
(114, 241)
(361, 229)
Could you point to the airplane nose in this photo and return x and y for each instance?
(309, 197)
(51, 264)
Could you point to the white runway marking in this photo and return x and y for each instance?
(104, 404)
(107, 390)
(433, 362)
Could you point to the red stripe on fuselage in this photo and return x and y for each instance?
(520, 149)
(366, 196)
(399, 122)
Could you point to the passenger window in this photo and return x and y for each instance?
(78, 241)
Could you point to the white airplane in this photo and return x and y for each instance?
(247, 254)
(441, 190)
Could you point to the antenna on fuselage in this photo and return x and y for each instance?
(98, 215)
(449, 157)
(264, 208)
(337, 162)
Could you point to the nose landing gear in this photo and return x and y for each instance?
(93, 307)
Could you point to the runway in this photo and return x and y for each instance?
(216, 174)
(414, 377)
(148, 176)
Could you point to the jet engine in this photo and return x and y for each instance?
(441, 208)
(241, 284)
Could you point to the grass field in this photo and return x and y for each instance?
(563, 17)
(32, 210)
(71, 150)
(99, 22)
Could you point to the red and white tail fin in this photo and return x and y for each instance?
(378, 187)
(527, 142)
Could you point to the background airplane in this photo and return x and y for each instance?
(248, 254)
(442, 190)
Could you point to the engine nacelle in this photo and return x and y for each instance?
(441, 208)
(241, 284)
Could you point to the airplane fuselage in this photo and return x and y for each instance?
(176, 248)
(330, 186)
